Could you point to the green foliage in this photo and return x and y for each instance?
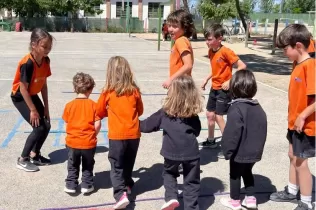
(217, 10)
(276, 8)
(266, 6)
(299, 6)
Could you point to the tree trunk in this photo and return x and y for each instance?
(241, 15)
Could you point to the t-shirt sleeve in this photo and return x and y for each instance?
(101, 109)
(66, 114)
(139, 104)
(183, 45)
(49, 73)
(230, 56)
(96, 116)
(310, 78)
(26, 71)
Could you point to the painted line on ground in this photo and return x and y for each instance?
(262, 83)
(155, 199)
(105, 136)
(5, 111)
(58, 134)
(12, 132)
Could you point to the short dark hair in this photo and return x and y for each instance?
(215, 30)
(83, 83)
(292, 34)
(243, 84)
(184, 18)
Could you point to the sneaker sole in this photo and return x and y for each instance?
(40, 164)
(121, 205)
(284, 201)
(85, 191)
(24, 169)
(171, 206)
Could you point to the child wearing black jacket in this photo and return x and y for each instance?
(243, 139)
(180, 123)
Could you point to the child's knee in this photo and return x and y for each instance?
(210, 116)
(301, 163)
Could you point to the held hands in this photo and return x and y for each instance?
(167, 83)
(34, 118)
(225, 85)
(299, 123)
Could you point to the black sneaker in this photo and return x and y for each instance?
(26, 165)
(39, 160)
(180, 169)
(208, 144)
(283, 196)
(303, 206)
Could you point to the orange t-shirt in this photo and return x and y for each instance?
(311, 47)
(123, 112)
(181, 45)
(80, 115)
(28, 71)
(302, 84)
(222, 62)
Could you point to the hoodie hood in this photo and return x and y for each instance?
(245, 100)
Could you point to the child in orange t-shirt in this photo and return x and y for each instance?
(180, 27)
(222, 60)
(121, 101)
(295, 39)
(83, 126)
(30, 79)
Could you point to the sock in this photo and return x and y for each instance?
(292, 188)
(307, 200)
(210, 139)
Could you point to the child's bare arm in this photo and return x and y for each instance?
(209, 76)
(186, 57)
(97, 126)
(240, 65)
(300, 120)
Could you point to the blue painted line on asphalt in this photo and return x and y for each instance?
(12, 133)
(58, 134)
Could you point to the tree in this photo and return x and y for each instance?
(266, 6)
(276, 8)
(299, 6)
(217, 10)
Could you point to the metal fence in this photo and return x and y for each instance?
(284, 17)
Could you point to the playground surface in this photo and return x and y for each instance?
(88, 52)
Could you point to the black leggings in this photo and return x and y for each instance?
(36, 139)
(238, 170)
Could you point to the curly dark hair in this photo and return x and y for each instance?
(184, 18)
(83, 83)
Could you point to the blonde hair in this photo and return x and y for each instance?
(183, 98)
(119, 77)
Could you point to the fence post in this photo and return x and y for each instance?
(275, 33)
(247, 34)
(257, 23)
(159, 26)
(265, 26)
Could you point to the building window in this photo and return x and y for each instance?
(153, 10)
(122, 13)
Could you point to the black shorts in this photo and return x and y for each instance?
(218, 101)
(303, 145)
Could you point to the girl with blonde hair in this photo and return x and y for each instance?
(121, 102)
(179, 120)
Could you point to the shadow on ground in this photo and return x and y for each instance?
(61, 155)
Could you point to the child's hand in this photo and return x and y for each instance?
(34, 118)
(225, 85)
(166, 84)
(299, 123)
(204, 84)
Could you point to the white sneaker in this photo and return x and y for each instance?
(170, 205)
(87, 190)
(71, 191)
(230, 203)
(122, 203)
(250, 202)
